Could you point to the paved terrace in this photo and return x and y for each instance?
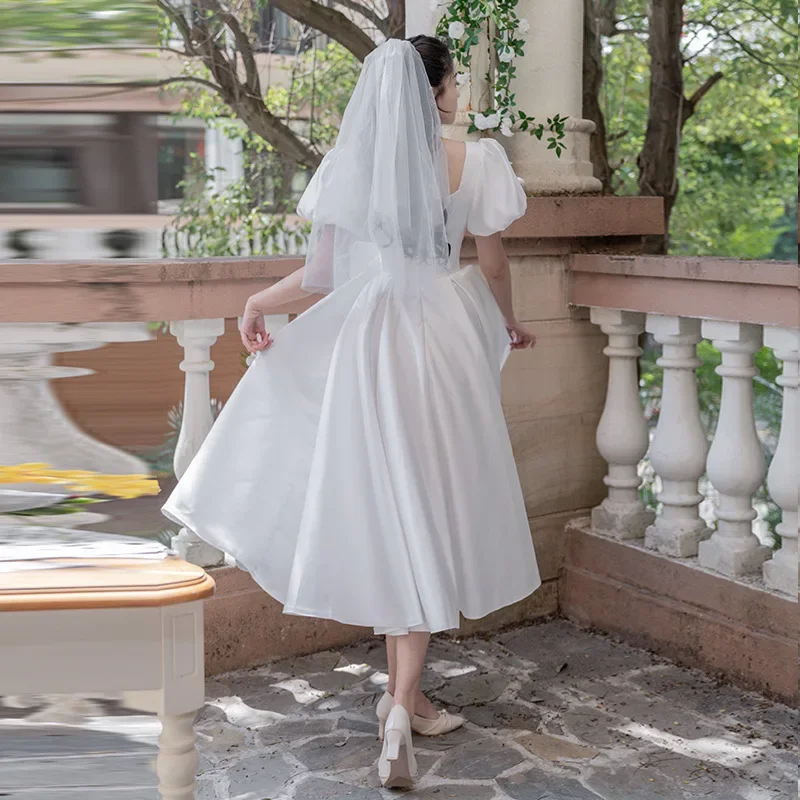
(554, 713)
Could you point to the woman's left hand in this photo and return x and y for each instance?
(253, 330)
(521, 337)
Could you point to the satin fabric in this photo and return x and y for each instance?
(361, 470)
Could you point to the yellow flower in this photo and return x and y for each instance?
(81, 481)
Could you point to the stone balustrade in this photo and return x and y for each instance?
(739, 307)
(679, 301)
(111, 301)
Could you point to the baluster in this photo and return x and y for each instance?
(784, 475)
(679, 448)
(736, 465)
(622, 436)
(195, 336)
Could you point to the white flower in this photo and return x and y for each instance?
(485, 122)
(435, 4)
(523, 27)
(456, 30)
(505, 128)
(506, 56)
(463, 79)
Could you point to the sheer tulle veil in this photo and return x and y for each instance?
(382, 189)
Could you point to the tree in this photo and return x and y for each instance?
(218, 40)
(660, 63)
(219, 36)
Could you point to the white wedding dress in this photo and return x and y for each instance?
(361, 470)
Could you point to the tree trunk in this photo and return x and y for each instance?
(658, 160)
(605, 15)
(396, 19)
(592, 83)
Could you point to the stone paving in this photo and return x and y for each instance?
(554, 713)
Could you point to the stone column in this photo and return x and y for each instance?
(422, 18)
(736, 466)
(622, 436)
(679, 447)
(784, 472)
(550, 81)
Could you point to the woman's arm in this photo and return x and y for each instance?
(284, 297)
(287, 296)
(495, 267)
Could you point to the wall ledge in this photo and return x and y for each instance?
(742, 632)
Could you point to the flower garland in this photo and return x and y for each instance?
(462, 22)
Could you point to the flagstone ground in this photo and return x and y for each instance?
(553, 713)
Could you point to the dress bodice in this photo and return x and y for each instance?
(488, 199)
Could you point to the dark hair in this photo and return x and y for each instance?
(435, 56)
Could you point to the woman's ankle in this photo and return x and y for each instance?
(406, 700)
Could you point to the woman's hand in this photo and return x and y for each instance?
(520, 336)
(253, 331)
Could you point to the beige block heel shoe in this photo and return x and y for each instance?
(444, 723)
(397, 766)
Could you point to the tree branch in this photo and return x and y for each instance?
(243, 46)
(244, 100)
(690, 104)
(381, 23)
(328, 21)
(180, 23)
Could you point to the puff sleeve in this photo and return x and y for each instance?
(498, 197)
(308, 201)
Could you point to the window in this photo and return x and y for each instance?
(175, 149)
(277, 32)
(41, 175)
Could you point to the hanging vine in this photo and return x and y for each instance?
(462, 22)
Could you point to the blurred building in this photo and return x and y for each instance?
(91, 166)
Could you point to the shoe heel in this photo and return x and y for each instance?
(381, 728)
(394, 740)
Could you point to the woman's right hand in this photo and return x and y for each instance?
(520, 336)
(253, 330)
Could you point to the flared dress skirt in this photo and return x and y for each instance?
(361, 470)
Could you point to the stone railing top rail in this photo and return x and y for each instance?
(762, 292)
(128, 290)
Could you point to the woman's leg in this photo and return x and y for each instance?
(422, 706)
(410, 651)
(391, 660)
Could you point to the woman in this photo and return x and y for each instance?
(362, 471)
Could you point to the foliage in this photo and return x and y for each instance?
(77, 23)
(738, 158)
(738, 173)
(249, 216)
(785, 248)
(463, 21)
(321, 82)
(230, 222)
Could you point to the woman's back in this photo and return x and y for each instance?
(486, 198)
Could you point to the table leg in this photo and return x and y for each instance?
(177, 757)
